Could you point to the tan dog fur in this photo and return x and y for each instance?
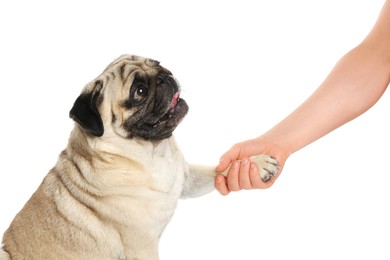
(109, 197)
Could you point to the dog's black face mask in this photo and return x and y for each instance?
(160, 108)
(152, 101)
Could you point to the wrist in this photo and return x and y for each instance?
(275, 146)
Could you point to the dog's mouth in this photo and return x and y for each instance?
(174, 107)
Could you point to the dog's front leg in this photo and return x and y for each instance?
(200, 179)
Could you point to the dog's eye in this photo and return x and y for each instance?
(141, 92)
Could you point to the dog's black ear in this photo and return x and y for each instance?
(85, 111)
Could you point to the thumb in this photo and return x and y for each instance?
(227, 158)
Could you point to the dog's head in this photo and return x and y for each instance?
(133, 97)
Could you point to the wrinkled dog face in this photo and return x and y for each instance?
(133, 97)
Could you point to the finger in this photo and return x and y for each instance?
(222, 166)
(254, 176)
(221, 185)
(227, 158)
(244, 179)
(232, 178)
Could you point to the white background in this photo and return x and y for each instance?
(243, 66)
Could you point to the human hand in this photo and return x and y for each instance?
(243, 174)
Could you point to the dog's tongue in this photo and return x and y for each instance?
(174, 100)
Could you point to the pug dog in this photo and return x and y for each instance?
(115, 186)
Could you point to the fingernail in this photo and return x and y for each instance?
(236, 164)
(245, 161)
(220, 179)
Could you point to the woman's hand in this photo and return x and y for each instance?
(243, 174)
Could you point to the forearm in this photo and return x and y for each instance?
(355, 84)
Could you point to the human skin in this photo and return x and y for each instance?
(354, 85)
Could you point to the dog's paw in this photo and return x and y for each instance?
(268, 166)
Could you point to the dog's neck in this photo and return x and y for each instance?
(111, 143)
(131, 158)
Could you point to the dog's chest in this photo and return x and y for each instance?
(167, 169)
